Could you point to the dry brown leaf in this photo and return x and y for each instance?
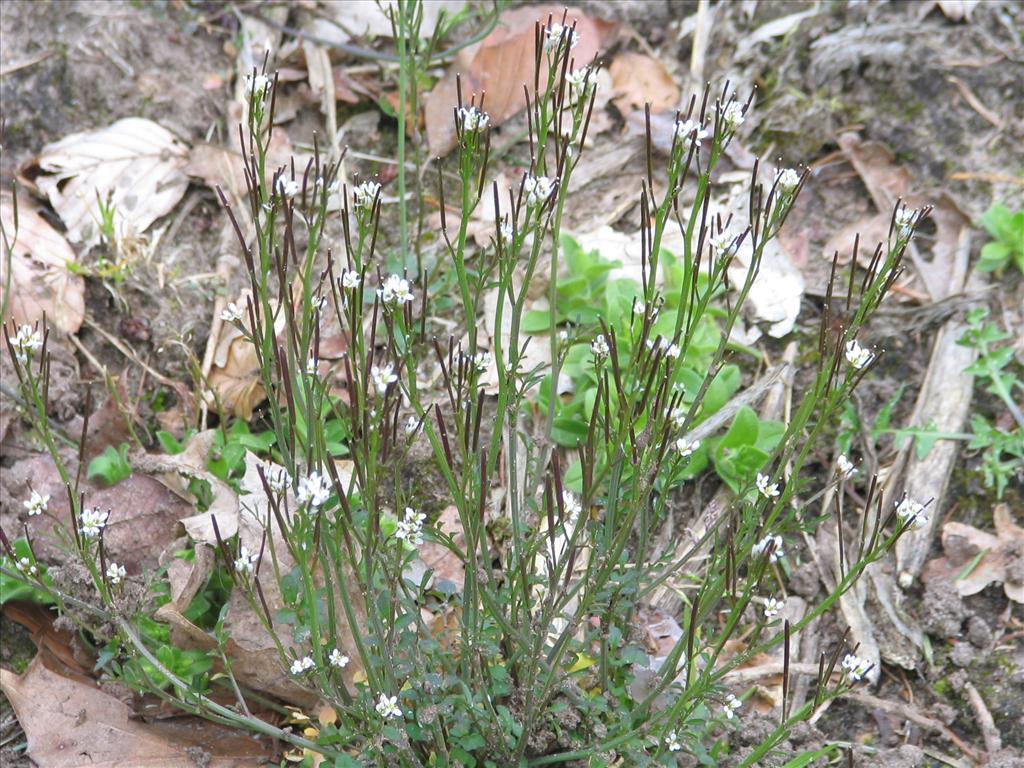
(236, 378)
(500, 64)
(138, 162)
(40, 280)
(639, 79)
(445, 564)
(1002, 554)
(70, 723)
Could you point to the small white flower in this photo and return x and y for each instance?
(364, 194)
(678, 419)
(232, 313)
(732, 115)
(257, 85)
(856, 355)
(303, 665)
(686, 447)
(537, 189)
(92, 521)
(410, 528)
(581, 83)
(773, 607)
(856, 667)
(572, 507)
(395, 290)
(387, 707)
(731, 705)
(333, 187)
(25, 566)
(911, 513)
(765, 487)
(505, 232)
(115, 574)
(691, 131)
(278, 478)
(722, 243)
(663, 344)
(383, 377)
(482, 361)
(246, 560)
(472, 119)
(349, 279)
(36, 503)
(319, 304)
(411, 425)
(672, 742)
(554, 37)
(599, 347)
(314, 490)
(311, 366)
(775, 542)
(905, 218)
(287, 187)
(337, 659)
(787, 179)
(846, 468)
(25, 343)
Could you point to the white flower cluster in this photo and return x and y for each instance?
(349, 279)
(25, 343)
(732, 704)
(115, 574)
(856, 355)
(766, 487)
(25, 566)
(313, 490)
(410, 528)
(787, 179)
(246, 560)
(472, 119)
(678, 419)
(383, 377)
(554, 37)
(856, 667)
(387, 707)
(364, 194)
(672, 742)
(572, 508)
(686, 447)
(732, 115)
(506, 233)
(303, 665)
(691, 131)
(911, 513)
(36, 503)
(905, 218)
(312, 366)
(722, 243)
(411, 424)
(664, 345)
(257, 86)
(277, 478)
(287, 187)
(773, 608)
(775, 542)
(92, 521)
(846, 468)
(599, 347)
(395, 290)
(232, 313)
(482, 361)
(337, 659)
(537, 189)
(582, 83)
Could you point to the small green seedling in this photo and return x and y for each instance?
(111, 466)
(1007, 245)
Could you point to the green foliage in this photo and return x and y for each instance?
(111, 466)
(227, 454)
(16, 589)
(1007, 245)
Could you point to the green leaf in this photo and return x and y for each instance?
(994, 256)
(569, 432)
(12, 589)
(743, 430)
(111, 466)
(536, 321)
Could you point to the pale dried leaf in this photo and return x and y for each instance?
(70, 723)
(373, 19)
(639, 79)
(135, 160)
(1001, 555)
(40, 280)
(446, 565)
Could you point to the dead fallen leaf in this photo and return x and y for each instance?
(639, 79)
(136, 161)
(40, 280)
(954, 10)
(500, 64)
(445, 564)
(235, 377)
(374, 19)
(1002, 554)
(70, 723)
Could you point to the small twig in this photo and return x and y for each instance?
(989, 732)
(975, 102)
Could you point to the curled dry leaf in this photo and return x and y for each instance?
(501, 64)
(136, 161)
(639, 79)
(40, 282)
(978, 558)
(71, 723)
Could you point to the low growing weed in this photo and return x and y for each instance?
(558, 503)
